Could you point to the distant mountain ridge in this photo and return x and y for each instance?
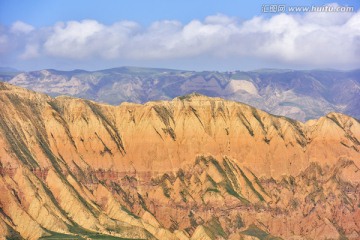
(297, 94)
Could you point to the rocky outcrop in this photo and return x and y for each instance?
(191, 168)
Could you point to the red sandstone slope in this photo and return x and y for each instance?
(136, 171)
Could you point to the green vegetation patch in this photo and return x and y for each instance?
(246, 123)
(123, 208)
(254, 231)
(249, 183)
(258, 118)
(109, 126)
(215, 228)
(83, 237)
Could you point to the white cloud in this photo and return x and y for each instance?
(3, 43)
(21, 27)
(31, 51)
(313, 39)
(89, 38)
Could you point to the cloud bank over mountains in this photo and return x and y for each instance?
(310, 39)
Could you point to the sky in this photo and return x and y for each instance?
(182, 34)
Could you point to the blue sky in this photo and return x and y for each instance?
(199, 35)
(44, 13)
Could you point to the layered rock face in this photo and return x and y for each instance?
(191, 168)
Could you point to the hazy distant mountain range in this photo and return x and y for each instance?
(301, 95)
